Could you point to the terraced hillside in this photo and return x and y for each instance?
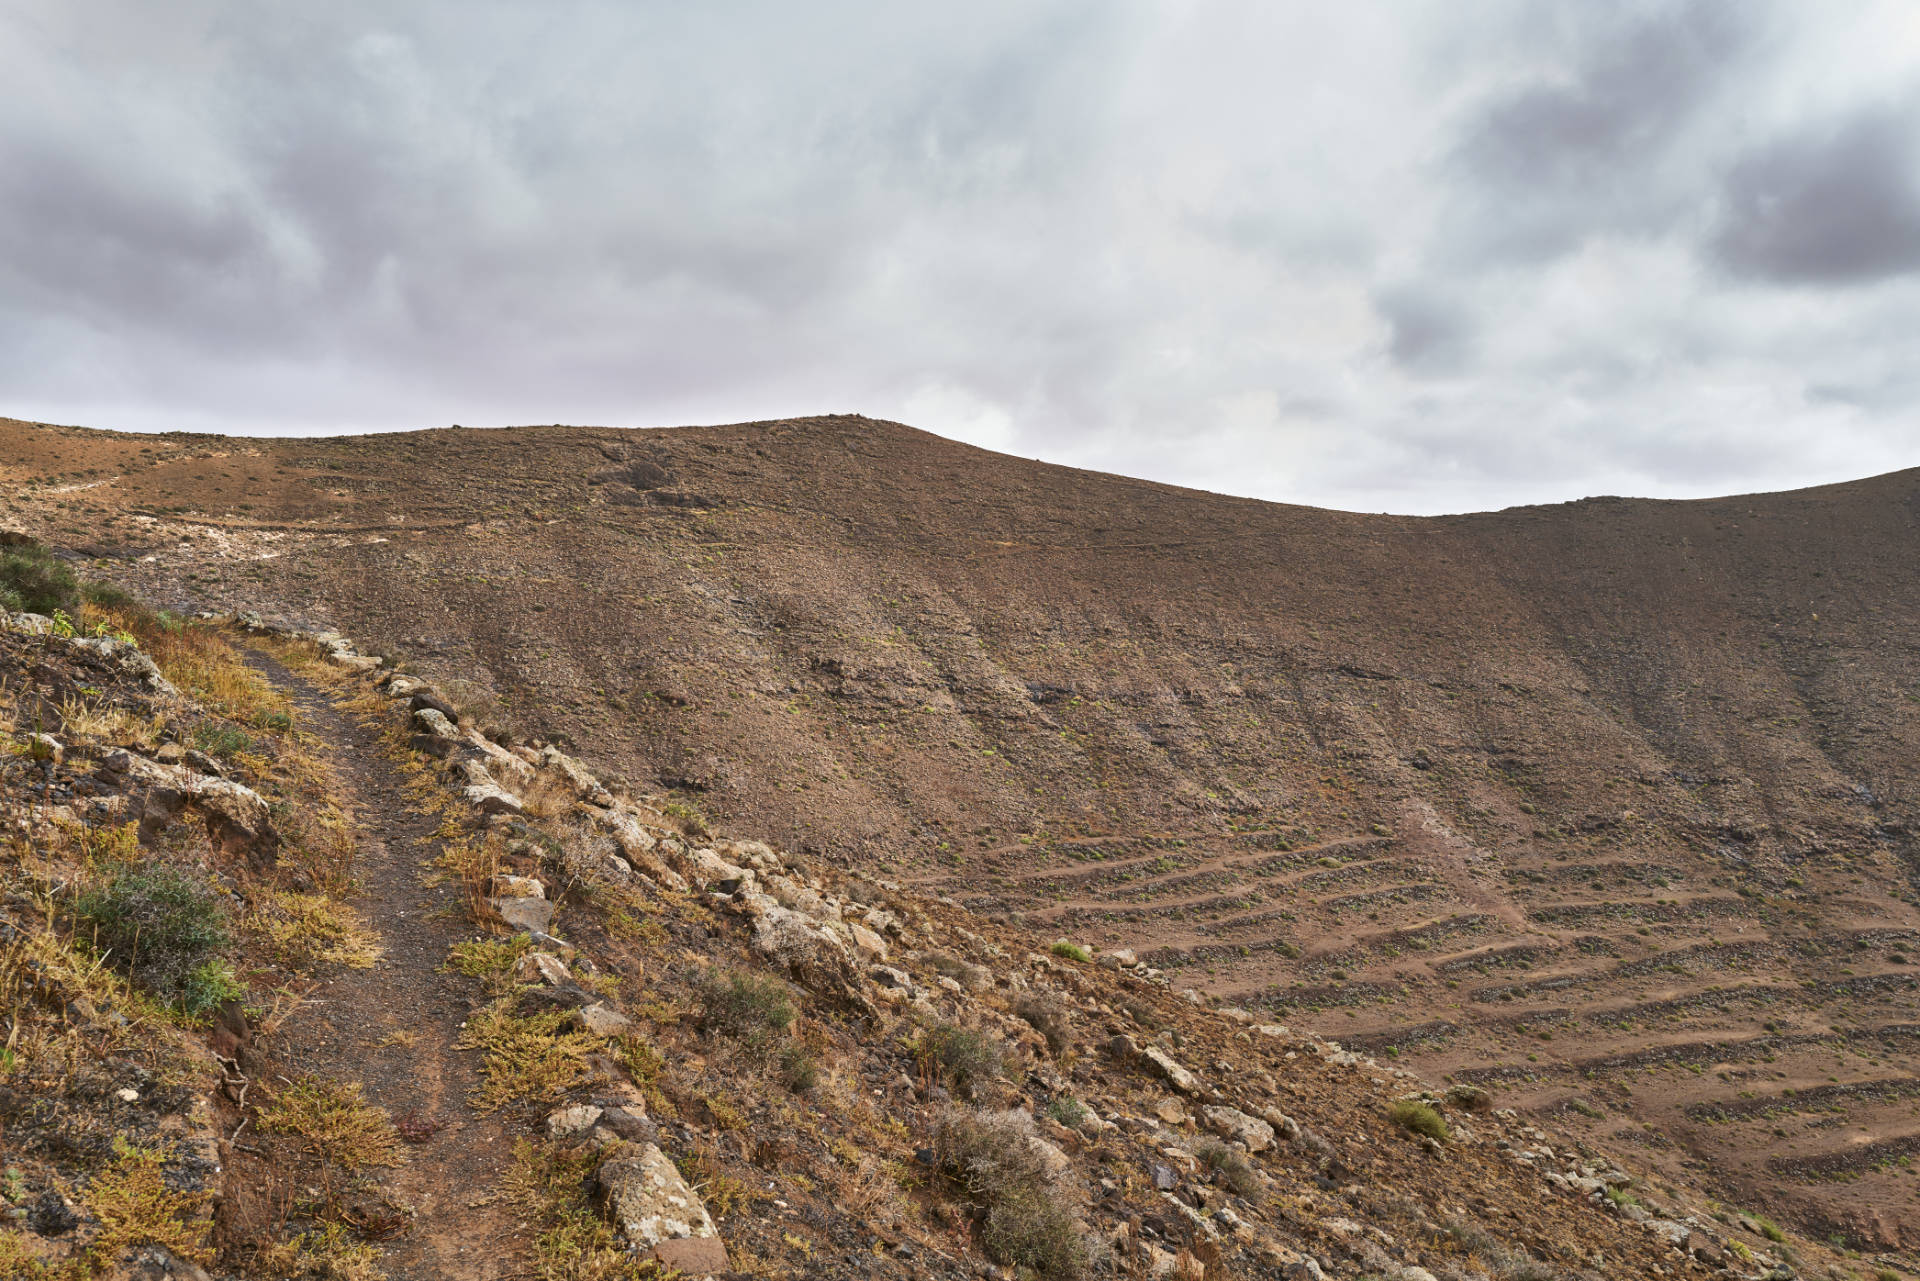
(1612, 804)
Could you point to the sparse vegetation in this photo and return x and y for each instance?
(1418, 1117)
(961, 1058)
(1048, 1016)
(987, 1159)
(164, 929)
(533, 1058)
(334, 1123)
(1229, 1166)
(750, 1008)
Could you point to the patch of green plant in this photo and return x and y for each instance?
(1230, 1168)
(962, 1058)
(988, 1161)
(1768, 1228)
(33, 579)
(222, 741)
(750, 1008)
(528, 1058)
(798, 1069)
(1420, 1118)
(163, 929)
(1067, 1110)
(1071, 951)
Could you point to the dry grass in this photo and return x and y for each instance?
(571, 1242)
(333, 1122)
(200, 661)
(532, 1058)
(305, 930)
(327, 1253)
(471, 864)
(136, 1207)
(104, 722)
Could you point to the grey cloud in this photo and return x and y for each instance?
(1422, 257)
(1579, 146)
(1429, 333)
(1832, 206)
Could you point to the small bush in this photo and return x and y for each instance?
(1768, 1228)
(1420, 1118)
(798, 1069)
(1048, 1015)
(1067, 1110)
(991, 1162)
(107, 596)
(1229, 1167)
(334, 1123)
(31, 579)
(962, 1058)
(222, 741)
(162, 929)
(536, 1058)
(1071, 951)
(750, 1008)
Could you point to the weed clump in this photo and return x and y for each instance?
(750, 1008)
(163, 929)
(135, 1206)
(31, 579)
(334, 1122)
(535, 1058)
(798, 1069)
(1071, 951)
(1420, 1118)
(1048, 1016)
(990, 1159)
(1229, 1167)
(962, 1058)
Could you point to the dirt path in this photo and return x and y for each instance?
(392, 1027)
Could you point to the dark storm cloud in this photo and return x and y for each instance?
(1413, 255)
(1838, 205)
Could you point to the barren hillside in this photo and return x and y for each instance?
(1611, 805)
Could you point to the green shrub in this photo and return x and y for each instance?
(1048, 1015)
(988, 1159)
(750, 1008)
(31, 579)
(222, 741)
(960, 1057)
(1768, 1228)
(106, 595)
(1229, 1167)
(1068, 1111)
(1071, 951)
(798, 1069)
(1420, 1118)
(163, 929)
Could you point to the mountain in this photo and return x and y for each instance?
(1610, 806)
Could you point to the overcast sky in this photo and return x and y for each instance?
(1407, 257)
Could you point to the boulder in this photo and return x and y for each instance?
(1171, 1072)
(872, 947)
(578, 776)
(503, 765)
(525, 913)
(602, 1020)
(567, 1123)
(238, 819)
(647, 1200)
(709, 871)
(484, 794)
(1284, 1126)
(127, 659)
(539, 967)
(1233, 1124)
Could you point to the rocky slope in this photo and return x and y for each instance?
(483, 1013)
(1610, 804)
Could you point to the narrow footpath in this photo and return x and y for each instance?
(393, 1027)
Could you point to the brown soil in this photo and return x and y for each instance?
(1611, 803)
